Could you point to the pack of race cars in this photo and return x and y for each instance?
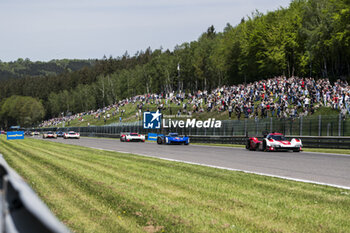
(171, 138)
(269, 142)
(55, 135)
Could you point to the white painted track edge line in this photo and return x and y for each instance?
(232, 169)
(325, 153)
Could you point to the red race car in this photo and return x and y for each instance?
(253, 143)
(274, 142)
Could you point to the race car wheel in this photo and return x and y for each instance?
(256, 146)
(159, 141)
(264, 146)
(297, 150)
(247, 146)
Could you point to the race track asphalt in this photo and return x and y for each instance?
(329, 169)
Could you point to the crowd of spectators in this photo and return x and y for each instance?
(276, 97)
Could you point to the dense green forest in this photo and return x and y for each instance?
(21, 110)
(310, 38)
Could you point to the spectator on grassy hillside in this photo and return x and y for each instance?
(261, 98)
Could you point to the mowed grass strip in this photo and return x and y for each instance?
(100, 191)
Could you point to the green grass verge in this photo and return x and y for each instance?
(100, 191)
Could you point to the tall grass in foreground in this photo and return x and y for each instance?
(100, 191)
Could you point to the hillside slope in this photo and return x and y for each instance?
(25, 68)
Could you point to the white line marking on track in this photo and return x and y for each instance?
(231, 169)
(323, 153)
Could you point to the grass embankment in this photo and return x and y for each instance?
(130, 114)
(100, 191)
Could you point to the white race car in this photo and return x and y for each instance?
(34, 133)
(50, 135)
(276, 141)
(132, 137)
(71, 134)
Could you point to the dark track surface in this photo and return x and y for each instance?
(330, 169)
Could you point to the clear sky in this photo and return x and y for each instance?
(55, 29)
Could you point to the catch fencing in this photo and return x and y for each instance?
(20, 208)
(315, 131)
(302, 126)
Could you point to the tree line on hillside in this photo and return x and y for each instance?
(25, 68)
(310, 38)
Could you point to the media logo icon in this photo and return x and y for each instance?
(152, 120)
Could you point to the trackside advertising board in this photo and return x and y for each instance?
(15, 135)
(152, 137)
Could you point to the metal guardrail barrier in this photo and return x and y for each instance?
(21, 209)
(241, 140)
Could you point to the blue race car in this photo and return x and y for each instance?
(172, 138)
(60, 134)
